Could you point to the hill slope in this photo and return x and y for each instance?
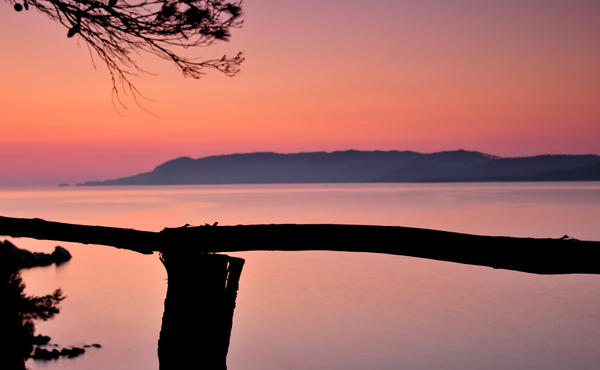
(364, 166)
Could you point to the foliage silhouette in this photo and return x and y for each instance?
(18, 313)
(118, 30)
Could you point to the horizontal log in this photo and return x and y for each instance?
(135, 240)
(540, 256)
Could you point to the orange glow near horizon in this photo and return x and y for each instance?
(509, 79)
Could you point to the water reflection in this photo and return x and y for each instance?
(330, 310)
(197, 318)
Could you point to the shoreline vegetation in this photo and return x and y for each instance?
(20, 311)
(532, 255)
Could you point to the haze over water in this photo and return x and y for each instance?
(327, 310)
(508, 78)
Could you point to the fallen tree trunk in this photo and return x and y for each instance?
(36, 228)
(540, 256)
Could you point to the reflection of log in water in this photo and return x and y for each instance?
(198, 317)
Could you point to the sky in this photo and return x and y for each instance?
(508, 78)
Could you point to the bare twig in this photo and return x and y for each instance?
(117, 30)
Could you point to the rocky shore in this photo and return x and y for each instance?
(53, 354)
(22, 258)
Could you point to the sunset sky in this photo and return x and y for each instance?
(509, 78)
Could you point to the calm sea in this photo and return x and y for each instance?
(328, 310)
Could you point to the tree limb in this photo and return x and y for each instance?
(540, 256)
(119, 30)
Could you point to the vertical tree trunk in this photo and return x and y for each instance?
(198, 316)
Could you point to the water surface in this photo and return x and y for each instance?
(328, 310)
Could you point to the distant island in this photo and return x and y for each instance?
(354, 166)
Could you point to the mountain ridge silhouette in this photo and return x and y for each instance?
(364, 166)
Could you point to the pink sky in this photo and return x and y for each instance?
(510, 78)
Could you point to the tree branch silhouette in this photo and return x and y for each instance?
(539, 256)
(119, 30)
